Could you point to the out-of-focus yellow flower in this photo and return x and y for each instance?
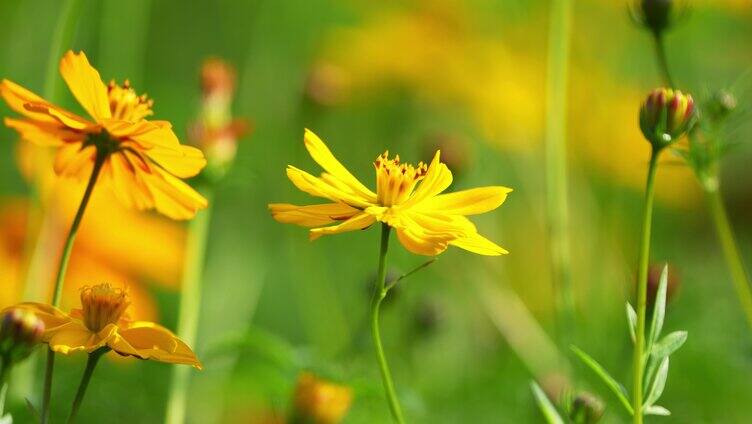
(407, 199)
(20, 332)
(143, 160)
(103, 322)
(320, 401)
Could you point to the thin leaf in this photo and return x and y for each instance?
(631, 320)
(657, 410)
(547, 408)
(659, 310)
(33, 410)
(601, 372)
(669, 344)
(659, 383)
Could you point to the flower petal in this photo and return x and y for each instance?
(172, 197)
(319, 187)
(148, 340)
(183, 162)
(75, 337)
(324, 157)
(437, 179)
(421, 243)
(44, 133)
(17, 97)
(476, 243)
(311, 215)
(50, 315)
(467, 202)
(73, 160)
(85, 84)
(357, 222)
(128, 189)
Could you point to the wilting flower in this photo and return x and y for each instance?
(20, 332)
(407, 199)
(666, 115)
(103, 321)
(319, 401)
(142, 160)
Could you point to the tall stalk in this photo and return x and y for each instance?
(190, 307)
(378, 295)
(557, 208)
(642, 288)
(660, 54)
(91, 364)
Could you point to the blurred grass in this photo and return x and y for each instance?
(311, 298)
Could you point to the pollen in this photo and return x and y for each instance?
(395, 181)
(102, 305)
(125, 104)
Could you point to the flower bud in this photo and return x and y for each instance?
(666, 115)
(20, 332)
(586, 409)
(319, 401)
(657, 15)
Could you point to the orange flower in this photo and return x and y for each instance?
(142, 160)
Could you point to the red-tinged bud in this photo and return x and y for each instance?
(217, 78)
(20, 332)
(666, 115)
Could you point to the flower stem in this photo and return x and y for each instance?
(98, 162)
(730, 250)
(378, 295)
(642, 285)
(660, 52)
(91, 363)
(557, 208)
(190, 306)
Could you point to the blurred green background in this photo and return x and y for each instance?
(463, 335)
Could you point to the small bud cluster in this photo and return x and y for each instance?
(665, 116)
(20, 332)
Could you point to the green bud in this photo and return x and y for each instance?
(586, 409)
(666, 115)
(20, 332)
(657, 15)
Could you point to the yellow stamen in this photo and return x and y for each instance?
(395, 181)
(125, 104)
(102, 305)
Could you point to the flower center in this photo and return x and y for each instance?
(126, 105)
(395, 181)
(102, 305)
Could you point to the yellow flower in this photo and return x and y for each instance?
(407, 199)
(143, 160)
(103, 322)
(319, 401)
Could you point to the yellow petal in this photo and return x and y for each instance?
(324, 157)
(420, 243)
(50, 316)
(173, 197)
(320, 188)
(128, 189)
(311, 215)
(437, 179)
(467, 202)
(43, 133)
(64, 117)
(183, 162)
(85, 84)
(357, 222)
(147, 340)
(478, 244)
(17, 97)
(75, 337)
(74, 161)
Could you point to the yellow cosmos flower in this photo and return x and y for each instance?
(103, 322)
(143, 160)
(408, 198)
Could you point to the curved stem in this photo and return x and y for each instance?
(378, 295)
(660, 52)
(190, 306)
(730, 251)
(642, 285)
(91, 363)
(98, 162)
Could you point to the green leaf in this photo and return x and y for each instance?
(659, 383)
(631, 320)
(615, 386)
(657, 410)
(669, 344)
(659, 310)
(547, 408)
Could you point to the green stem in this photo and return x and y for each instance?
(378, 295)
(660, 52)
(557, 208)
(190, 306)
(730, 251)
(98, 162)
(91, 363)
(4, 370)
(642, 285)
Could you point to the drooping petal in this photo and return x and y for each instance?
(476, 243)
(127, 187)
(324, 157)
(85, 84)
(43, 133)
(73, 160)
(183, 162)
(62, 116)
(467, 202)
(147, 340)
(320, 188)
(357, 222)
(17, 97)
(311, 215)
(437, 179)
(421, 243)
(172, 197)
(75, 337)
